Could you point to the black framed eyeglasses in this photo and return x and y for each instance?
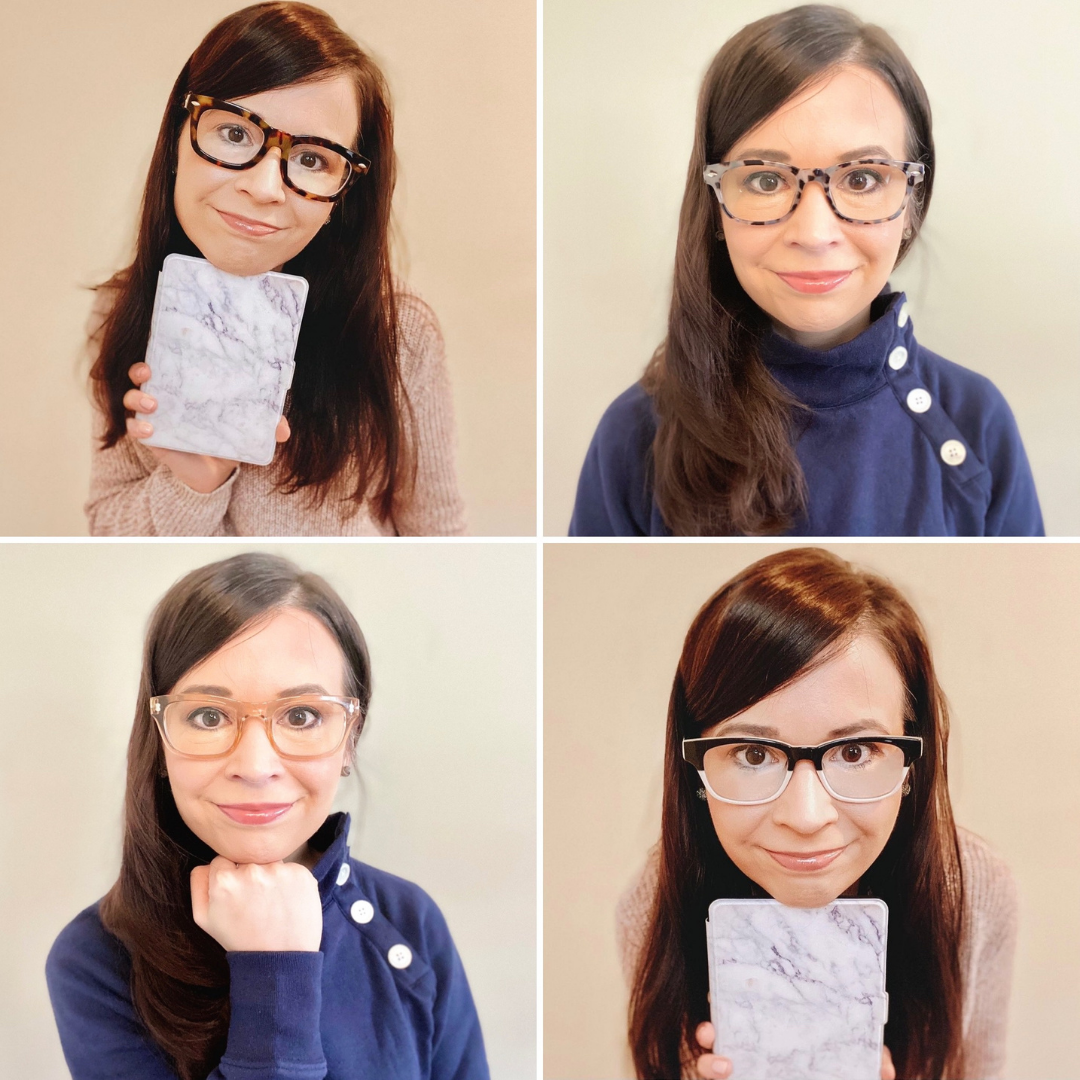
(235, 138)
(865, 192)
(749, 771)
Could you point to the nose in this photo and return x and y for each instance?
(254, 757)
(813, 225)
(263, 180)
(805, 806)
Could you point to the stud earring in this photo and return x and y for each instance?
(908, 233)
(906, 789)
(346, 770)
(702, 794)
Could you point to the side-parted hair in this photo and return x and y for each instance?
(348, 405)
(766, 627)
(723, 460)
(179, 974)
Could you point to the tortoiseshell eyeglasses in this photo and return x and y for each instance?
(235, 138)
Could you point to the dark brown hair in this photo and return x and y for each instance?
(723, 460)
(179, 974)
(764, 628)
(347, 403)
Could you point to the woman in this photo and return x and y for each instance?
(790, 395)
(368, 444)
(802, 649)
(240, 938)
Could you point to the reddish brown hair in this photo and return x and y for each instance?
(723, 460)
(179, 974)
(764, 628)
(347, 405)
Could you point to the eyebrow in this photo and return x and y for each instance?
(858, 727)
(292, 691)
(779, 155)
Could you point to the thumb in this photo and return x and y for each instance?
(200, 895)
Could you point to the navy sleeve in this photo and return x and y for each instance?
(983, 415)
(274, 1023)
(614, 494)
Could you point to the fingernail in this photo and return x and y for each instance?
(146, 403)
(144, 429)
(720, 1068)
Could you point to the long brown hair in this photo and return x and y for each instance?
(179, 974)
(723, 460)
(347, 404)
(764, 628)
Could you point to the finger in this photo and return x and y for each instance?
(888, 1070)
(200, 894)
(705, 1035)
(137, 401)
(283, 430)
(713, 1066)
(139, 429)
(139, 373)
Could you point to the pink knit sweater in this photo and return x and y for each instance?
(986, 949)
(132, 494)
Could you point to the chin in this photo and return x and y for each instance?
(256, 849)
(806, 894)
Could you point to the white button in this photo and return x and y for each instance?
(901, 315)
(898, 358)
(953, 452)
(400, 956)
(918, 400)
(362, 911)
(343, 874)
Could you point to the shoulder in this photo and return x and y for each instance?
(86, 959)
(404, 904)
(991, 901)
(420, 339)
(628, 424)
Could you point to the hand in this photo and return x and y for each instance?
(257, 907)
(713, 1065)
(200, 472)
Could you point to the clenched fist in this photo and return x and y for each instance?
(256, 907)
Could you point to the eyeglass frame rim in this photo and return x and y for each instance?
(355, 717)
(915, 171)
(195, 104)
(913, 747)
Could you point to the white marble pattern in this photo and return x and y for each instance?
(798, 993)
(221, 358)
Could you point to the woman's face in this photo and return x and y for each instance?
(206, 195)
(849, 114)
(806, 848)
(292, 652)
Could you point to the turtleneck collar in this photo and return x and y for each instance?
(829, 378)
(332, 840)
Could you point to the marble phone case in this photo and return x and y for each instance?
(221, 358)
(798, 993)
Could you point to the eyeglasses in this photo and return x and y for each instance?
(865, 192)
(235, 138)
(753, 771)
(202, 725)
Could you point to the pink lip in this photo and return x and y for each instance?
(248, 226)
(255, 813)
(806, 860)
(815, 281)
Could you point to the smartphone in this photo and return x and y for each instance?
(221, 355)
(798, 993)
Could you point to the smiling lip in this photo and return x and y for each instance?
(254, 813)
(805, 860)
(815, 281)
(248, 226)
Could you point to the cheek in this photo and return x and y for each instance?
(873, 821)
(735, 825)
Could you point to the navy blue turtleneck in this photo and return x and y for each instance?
(385, 996)
(899, 442)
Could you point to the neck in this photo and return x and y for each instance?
(826, 339)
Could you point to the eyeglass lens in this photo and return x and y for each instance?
(305, 727)
(750, 772)
(862, 192)
(235, 140)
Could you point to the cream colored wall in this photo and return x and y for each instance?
(447, 762)
(1003, 621)
(991, 282)
(84, 85)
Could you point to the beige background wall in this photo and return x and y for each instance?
(1004, 622)
(84, 85)
(444, 795)
(991, 282)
